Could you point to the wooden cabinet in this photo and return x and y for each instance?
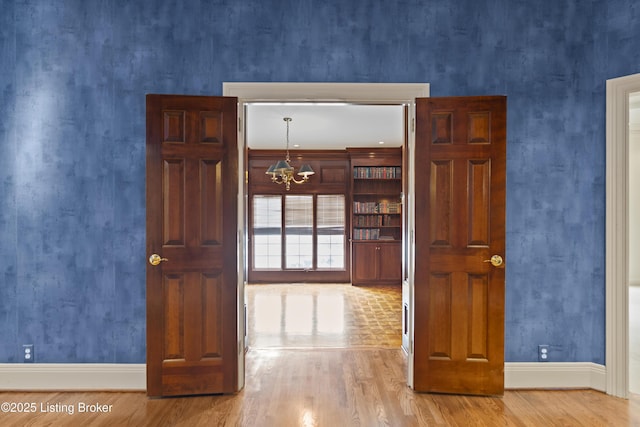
(376, 262)
(376, 216)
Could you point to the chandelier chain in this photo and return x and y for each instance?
(287, 119)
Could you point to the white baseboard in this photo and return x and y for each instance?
(81, 376)
(520, 375)
(120, 377)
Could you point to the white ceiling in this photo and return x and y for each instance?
(323, 126)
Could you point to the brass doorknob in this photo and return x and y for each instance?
(495, 260)
(156, 259)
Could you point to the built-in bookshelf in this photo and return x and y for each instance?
(377, 207)
(376, 215)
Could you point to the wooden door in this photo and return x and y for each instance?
(192, 188)
(460, 224)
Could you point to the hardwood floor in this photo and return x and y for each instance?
(328, 387)
(289, 384)
(324, 315)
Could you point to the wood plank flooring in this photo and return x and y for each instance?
(328, 387)
(310, 376)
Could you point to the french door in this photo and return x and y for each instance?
(458, 309)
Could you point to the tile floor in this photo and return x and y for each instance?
(323, 315)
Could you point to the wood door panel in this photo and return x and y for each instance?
(194, 334)
(176, 379)
(211, 203)
(441, 198)
(442, 128)
(210, 127)
(389, 268)
(479, 202)
(173, 126)
(173, 180)
(479, 128)
(468, 375)
(478, 318)
(173, 317)
(211, 298)
(207, 255)
(192, 188)
(440, 312)
(459, 313)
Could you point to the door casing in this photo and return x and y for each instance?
(617, 234)
(353, 93)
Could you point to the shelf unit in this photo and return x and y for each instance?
(376, 216)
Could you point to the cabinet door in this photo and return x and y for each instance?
(390, 262)
(365, 260)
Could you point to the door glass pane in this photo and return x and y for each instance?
(299, 232)
(267, 232)
(330, 229)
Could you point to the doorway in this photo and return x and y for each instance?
(360, 93)
(479, 131)
(617, 332)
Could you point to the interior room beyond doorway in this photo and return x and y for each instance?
(323, 316)
(328, 314)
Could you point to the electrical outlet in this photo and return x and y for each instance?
(543, 353)
(28, 354)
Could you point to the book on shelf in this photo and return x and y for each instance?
(366, 233)
(377, 207)
(368, 221)
(377, 172)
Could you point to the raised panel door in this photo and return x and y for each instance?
(192, 185)
(460, 224)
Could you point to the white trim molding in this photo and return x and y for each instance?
(72, 377)
(132, 377)
(315, 92)
(554, 375)
(617, 232)
(352, 93)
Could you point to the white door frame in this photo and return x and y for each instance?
(617, 232)
(353, 93)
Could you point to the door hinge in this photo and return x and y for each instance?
(413, 125)
(239, 124)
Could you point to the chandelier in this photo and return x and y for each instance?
(282, 171)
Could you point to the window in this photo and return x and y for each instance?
(311, 229)
(299, 232)
(330, 229)
(267, 232)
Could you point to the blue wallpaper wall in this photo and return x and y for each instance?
(73, 76)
